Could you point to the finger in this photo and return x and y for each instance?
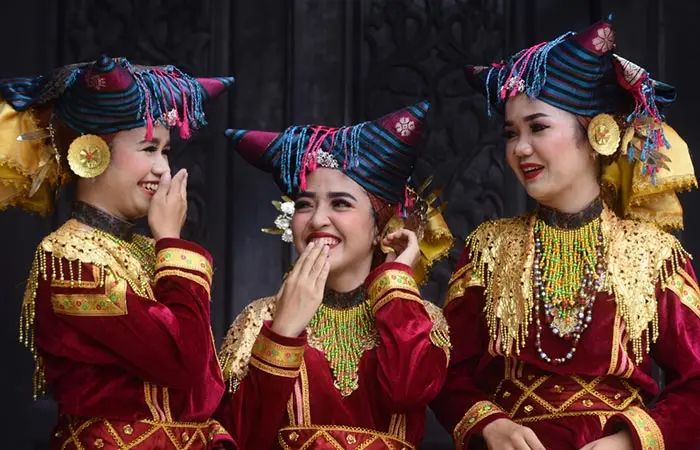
(176, 183)
(390, 257)
(320, 282)
(183, 190)
(300, 261)
(319, 263)
(163, 185)
(308, 265)
(532, 440)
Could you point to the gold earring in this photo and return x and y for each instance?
(88, 156)
(604, 134)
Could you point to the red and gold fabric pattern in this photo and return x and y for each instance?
(338, 438)
(77, 433)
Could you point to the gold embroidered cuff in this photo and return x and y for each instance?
(685, 287)
(184, 259)
(391, 280)
(273, 370)
(474, 415)
(270, 352)
(463, 279)
(392, 295)
(645, 427)
(186, 275)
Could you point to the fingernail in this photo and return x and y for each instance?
(311, 244)
(326, 248)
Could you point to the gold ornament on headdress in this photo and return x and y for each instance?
(29, 163)
(640, 197)
(604, 134)
(88, 156)
(423, 218)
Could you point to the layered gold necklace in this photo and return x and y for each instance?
(343, 334)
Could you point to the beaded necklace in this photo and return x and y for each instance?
(343, 334)
(568, 271)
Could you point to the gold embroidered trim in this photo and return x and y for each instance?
(186, 275)
(478, 412)
(648, 431)
(111, 303)
(389, 280)
(305, 394)
(685, 287)
(392, 295)
(397, 425)
(147, 396)
(639, 257)
(184, 259)
(324, 431)
(240, 338)
(276, 354)
(273, 370)
(616, 343)
(601, 414)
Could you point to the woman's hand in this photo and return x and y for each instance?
(302, 292)
(621, 440)
(504, 434)
(404, 244)
(168, 209)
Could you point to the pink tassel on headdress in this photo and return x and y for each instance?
(527, 54)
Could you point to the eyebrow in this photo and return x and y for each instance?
(529, 118)
(155, 140)
(312, 195)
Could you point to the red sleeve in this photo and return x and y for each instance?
(162, 336)
(255, 410)
(462, 408)
(673, 420)
(413, 350)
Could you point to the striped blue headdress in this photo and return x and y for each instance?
(379, 155)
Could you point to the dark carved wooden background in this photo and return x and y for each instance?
(305, 61)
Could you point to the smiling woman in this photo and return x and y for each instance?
(557, 314)
(118, 322)
(351, 352)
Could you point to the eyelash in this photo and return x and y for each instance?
(535, 128)
(335, 204)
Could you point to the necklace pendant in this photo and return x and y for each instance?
(565, 325)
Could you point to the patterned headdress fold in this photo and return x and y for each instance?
(379, 155)
(97, 98)
(579, 73)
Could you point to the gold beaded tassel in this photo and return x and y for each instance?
(343, 335)
(27, 317)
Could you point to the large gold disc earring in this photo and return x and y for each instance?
(604, 134)
(88, 156)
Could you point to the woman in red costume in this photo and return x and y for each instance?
(557, 315)
(118, 322)
(361, 351)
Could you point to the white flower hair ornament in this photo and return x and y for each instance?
(283, 222)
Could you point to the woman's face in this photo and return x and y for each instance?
(126, 187)
(548, 151)
(334, 210)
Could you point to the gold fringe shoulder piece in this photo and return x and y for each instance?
(240, 338)
(640, 258)
(440, 333)
(76, 243)
(501, 255)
